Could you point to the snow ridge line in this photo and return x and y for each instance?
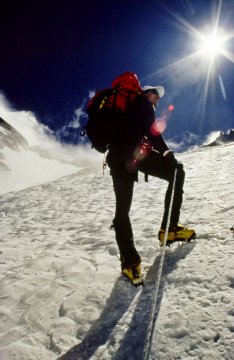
(153, 310)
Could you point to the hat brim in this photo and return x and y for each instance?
(160, 89)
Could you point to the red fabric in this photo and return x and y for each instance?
(127, 80)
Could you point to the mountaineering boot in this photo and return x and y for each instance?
(176, 233)
(133, 273)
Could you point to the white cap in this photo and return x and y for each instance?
(159, 89)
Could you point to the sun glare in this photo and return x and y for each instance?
(212, 45)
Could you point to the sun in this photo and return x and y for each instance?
(212, 45)
(209, 46)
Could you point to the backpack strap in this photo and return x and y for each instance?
(115, 92)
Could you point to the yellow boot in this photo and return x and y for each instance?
(176, 233)
(133, 273)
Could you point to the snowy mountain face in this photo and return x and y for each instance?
(223, 138)
(23, 165)
(190, 141)
(10, 138)
(62, 292)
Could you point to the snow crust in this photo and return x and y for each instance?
(60, 280)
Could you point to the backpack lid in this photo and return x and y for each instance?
(127, 80)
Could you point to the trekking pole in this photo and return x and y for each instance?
(152, 315)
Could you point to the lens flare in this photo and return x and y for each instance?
(160, 124)
(158, 127)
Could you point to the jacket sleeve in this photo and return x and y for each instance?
(144, 116)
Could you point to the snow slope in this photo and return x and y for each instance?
(60, 280)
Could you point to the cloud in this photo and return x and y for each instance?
(40, 136)
(184, 141)
(72, 129)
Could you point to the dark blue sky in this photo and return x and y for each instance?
(54, 52)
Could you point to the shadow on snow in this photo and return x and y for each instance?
(133, 342)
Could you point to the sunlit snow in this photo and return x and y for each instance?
(60, 280)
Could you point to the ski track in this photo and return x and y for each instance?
(60, 280)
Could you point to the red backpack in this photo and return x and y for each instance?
(103, 109)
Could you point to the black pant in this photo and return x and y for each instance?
(123, 182)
